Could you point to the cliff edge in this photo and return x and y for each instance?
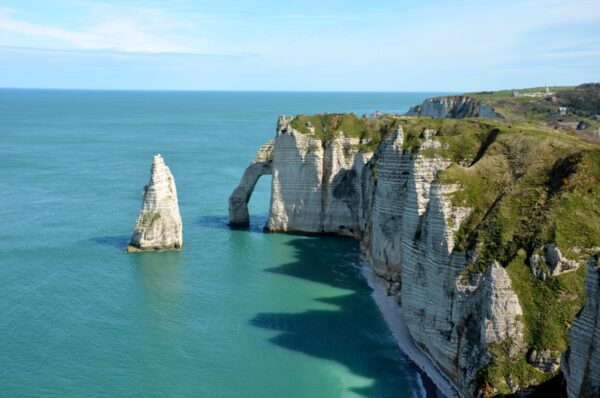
(457, 106)
(475, 228)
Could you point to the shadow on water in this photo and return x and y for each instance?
(257, 223)
(355, 335)
(118, 242)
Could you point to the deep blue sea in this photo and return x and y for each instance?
(237, 313)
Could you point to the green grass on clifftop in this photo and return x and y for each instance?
(583, 103)
(527, 185)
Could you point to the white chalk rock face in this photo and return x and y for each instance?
(296, 192)
(158, 226)
(316, 186)
(406, 222)
(581, 362)
(503, 310)
(409, 242)
(457, 106)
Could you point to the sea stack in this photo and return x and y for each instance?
(158, 226)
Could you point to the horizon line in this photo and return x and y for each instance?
(455, 92)
(227, 90)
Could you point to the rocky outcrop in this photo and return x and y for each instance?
(544, 360)
(457, 107)
(556, 262)
(551, 263)
(158, 226)
(391, 201)
(581, 362)
(503, 312)
(238, 201)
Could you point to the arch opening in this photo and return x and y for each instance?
(238, 201)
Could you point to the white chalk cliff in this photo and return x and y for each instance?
(316, 185)
(581, 362)
(457, 106)
(409, 241)
(158, 227)
(406, 223)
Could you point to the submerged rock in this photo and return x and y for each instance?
(158, 226)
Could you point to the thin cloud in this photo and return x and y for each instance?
(36, 51)
(128, 30)
(329, 44)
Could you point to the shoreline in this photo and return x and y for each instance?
(389, 309)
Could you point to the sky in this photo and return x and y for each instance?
(310, 45)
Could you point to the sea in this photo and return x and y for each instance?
(236, 313)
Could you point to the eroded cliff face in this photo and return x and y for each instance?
(316, 185)
(406, 223)
(158, 227)
(409, 242)
(581, 362)
(457, 106)
(460, 226)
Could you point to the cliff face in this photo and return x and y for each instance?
(453, 107)
(158, 226)
(581, 362)
(316, 185)
(443, 217)
(409, 242)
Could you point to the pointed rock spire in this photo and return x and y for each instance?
(158, 226)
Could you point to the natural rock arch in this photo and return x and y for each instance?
(238, 201)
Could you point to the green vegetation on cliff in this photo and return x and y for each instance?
(528, 187)
(582, 103)
(548, 306)
(327, 125)
(527, 184)
(494, 377)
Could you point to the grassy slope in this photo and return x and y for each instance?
(542, 111)
(532, 186)
(528, 185)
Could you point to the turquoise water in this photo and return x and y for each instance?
(237, 313)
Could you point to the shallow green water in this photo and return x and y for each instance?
(238, 313)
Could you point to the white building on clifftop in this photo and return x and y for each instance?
(536, 94)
